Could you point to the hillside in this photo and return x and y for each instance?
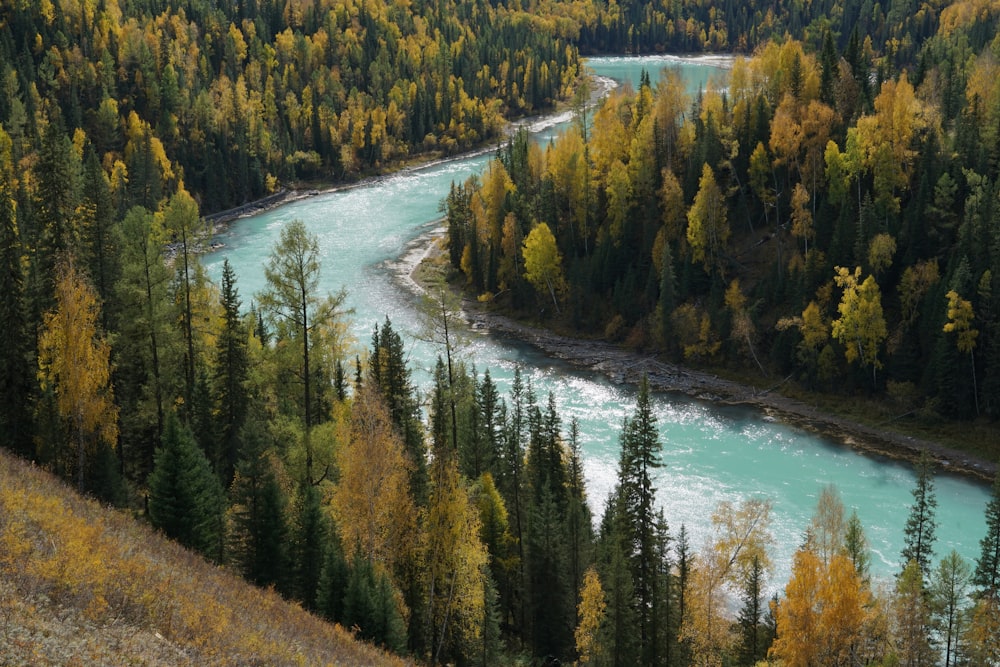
(83, 585)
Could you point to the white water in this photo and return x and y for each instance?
(710, 454)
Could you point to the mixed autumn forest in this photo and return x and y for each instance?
(826, 217)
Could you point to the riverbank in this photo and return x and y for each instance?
(601, 86)
(425, 259)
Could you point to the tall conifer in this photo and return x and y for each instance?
(185, 498)
(921, 524)
(987, 574)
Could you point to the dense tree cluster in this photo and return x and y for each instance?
(235, 98)
(793, 220)
(816, 208)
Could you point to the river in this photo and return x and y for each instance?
(710, 453)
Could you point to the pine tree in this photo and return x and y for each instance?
(185, 498)
(618, 634)
(57, 196)
(579, 522)
(551, 598)
(987, 575)
(98, 232)
(488, 401)
(921, 524)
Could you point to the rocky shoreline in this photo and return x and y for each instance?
(627, 366)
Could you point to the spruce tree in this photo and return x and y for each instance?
(391, 375)
(15, 364)
(309, 538)
(921, 524)
(259, 540)
(552, 600)
(488, 401)
(231, 370)
(754, 639)
(618, 634)
(987, 575)
(332, 586)
(639, 458)
(370, 604)
(185, 498)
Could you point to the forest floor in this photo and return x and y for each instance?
(426, 261)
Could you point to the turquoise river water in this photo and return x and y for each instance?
(710, 454)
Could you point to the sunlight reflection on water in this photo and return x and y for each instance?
(710, 454)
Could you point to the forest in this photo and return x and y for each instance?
(827, 214)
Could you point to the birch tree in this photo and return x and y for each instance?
(74, 362)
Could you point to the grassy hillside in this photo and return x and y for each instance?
(83, 585)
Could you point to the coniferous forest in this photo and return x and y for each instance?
(827, 215)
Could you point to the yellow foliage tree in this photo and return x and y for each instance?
(960, 316)
(742, 538)
(821, 621)
(371, 501)
(861, 327)
(802, 220)
(543, 262)
(456, 561)
(982, 637)
(74, 362)
(591, 613)
(708, 227)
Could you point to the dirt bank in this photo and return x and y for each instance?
(626, 366)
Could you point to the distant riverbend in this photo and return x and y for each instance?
(713, 451)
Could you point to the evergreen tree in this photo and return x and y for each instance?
(98, 232)
(754, 636)
(948, 602)
(258, 543)
(510, 484)
(856, 546)
(552, 600)
(332, 586)
(987, 574)
(683, 560)
(308, 544)
(231, 370)
(921, 524)
(370, 605)
(391, 375)
(912, 618)
(618, 635)
(639, 459)
(57, 196)
(185, 498)
(579, 522)
(15, 363)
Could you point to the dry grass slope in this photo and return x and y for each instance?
(83, 585)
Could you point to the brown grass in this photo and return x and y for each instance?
(84, 585)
